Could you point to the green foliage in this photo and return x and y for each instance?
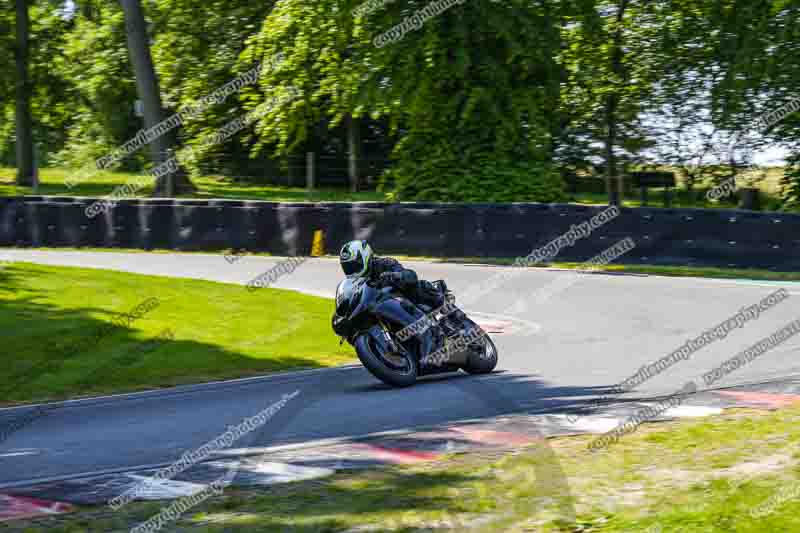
(6, 81)
(48, 97)
(435, 169)
(100, 87)
(790, 184)
(466, 98)
(197, 49)
(483, 178)
(321, 61)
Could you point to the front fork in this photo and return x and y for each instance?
(425, 345)
(390, 342)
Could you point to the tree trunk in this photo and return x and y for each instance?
(613, 180)
(611, 160)
(88, 10)
(26, 174)
(353, 149)
(688, 181)
(148, 91)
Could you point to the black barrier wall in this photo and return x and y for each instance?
(702, 237)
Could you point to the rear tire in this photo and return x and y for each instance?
(483, 361)
(369, 355)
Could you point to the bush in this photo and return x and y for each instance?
(790, 184)
(484, 177)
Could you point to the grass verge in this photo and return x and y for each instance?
(58, 342)
(52, 184)
(693, 272)
(654, 270)
(691, 475)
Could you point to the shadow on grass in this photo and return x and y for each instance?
(53, 353)
(302, 509)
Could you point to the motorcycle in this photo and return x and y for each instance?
(375, 319)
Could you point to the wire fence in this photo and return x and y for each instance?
(295, 170)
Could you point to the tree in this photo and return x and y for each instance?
(613, 58)
(197, 49)
(7, 85)
(682, 133)
(26, 173)
(715, 83)
(468, 106)
(620, 76)
(100, 88)
(148, 90)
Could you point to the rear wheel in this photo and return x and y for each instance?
(398, 369)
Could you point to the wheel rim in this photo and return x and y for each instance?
(490, 350)
(485, 350)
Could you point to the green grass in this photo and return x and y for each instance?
(769, 200)
(701, 475)
(704, 475)
(768, 185)
(52, 184)
(654, 270)
(695, 272)
(220, 331)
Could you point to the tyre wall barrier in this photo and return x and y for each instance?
(700, 237)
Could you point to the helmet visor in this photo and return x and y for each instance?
(354, 266)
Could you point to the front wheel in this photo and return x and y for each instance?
(395, 369)
(482, 356)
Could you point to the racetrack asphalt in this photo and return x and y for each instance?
(584, 339)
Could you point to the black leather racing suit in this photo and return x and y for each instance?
(418, 290)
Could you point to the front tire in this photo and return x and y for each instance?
(371, 350)
(483, 360)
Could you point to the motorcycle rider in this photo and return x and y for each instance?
(358, 260)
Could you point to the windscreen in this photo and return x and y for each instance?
(344, 294)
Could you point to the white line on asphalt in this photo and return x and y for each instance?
(241, 452)
(183, 389)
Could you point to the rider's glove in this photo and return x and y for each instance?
(391, 277)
